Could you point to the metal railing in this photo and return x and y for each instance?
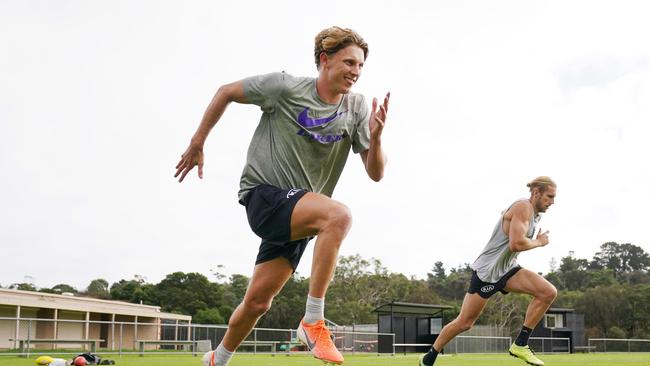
(618, 345)
(29, 336)
(26, 336)
(478, 344)
(550, 344)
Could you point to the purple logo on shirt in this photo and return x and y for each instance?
(323, 139)
(305, 121)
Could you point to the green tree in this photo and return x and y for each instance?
(438, 271)
(23, 286)
(187, 293)
(359, 285)
(135, 291)
(59, 289)
(636, 278)
(234, 291)
(577, 274)
(616, 332)
(208, 316)
(602, 277)
(98, 288)
(226, 311)
(454, 286)
(603, 306)
(621, 258)
(567, 299)
(636, 320)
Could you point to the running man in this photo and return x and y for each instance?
(294, 161)
(496, 269)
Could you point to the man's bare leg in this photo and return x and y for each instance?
(330, 221)
(543, 292)
(267, 281)
(471, 309)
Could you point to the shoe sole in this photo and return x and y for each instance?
(530, 363)
(211, 362)
(421, 361)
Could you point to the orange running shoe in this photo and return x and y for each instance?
(319, 341)
(208, 359)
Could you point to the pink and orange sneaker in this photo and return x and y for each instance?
(319, 341)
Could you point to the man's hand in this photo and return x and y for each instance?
(378, 118)
(191, 157)
(542, 237)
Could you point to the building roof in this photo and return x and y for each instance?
(559, 310)
(84, 304)
(411, 308)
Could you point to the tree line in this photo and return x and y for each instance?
(612, 290)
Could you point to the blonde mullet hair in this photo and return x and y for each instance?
(333, 39)
(541, 182)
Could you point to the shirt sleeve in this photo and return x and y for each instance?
(265, 90)
(361, 138)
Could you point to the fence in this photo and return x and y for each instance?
(478, 344)
(618, 345)
(25, 336)
(493, 344)
(550, 344)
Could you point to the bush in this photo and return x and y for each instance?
(208, 316)
(616, 332)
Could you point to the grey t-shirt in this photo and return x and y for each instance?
(301, 141)
(496, 259)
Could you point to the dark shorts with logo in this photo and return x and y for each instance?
(487, 289)
(269, 210)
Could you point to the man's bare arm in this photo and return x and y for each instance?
(519, 222)
(193, 156)
(374, 159)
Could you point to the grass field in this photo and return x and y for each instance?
(600, 359)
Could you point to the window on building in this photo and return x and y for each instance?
(553, 321)
(436, 325)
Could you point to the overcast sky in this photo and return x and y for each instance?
(98, 99)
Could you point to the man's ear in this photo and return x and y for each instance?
(323, 58)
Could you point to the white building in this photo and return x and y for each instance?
(36, 315)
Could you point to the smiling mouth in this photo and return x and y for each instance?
(350, 80)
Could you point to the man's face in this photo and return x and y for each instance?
(545, 199)
(343, 68)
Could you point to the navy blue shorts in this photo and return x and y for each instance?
(487, 289)
(269, 210)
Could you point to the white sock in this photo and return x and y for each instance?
(315, 310)
(222, 355)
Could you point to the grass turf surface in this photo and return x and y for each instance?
(608, 359)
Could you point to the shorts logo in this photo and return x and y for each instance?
(292, 192)
(488, 288)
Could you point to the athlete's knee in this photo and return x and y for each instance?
(339, 219)
(549, 294)
(464, 324)
(257, 306)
